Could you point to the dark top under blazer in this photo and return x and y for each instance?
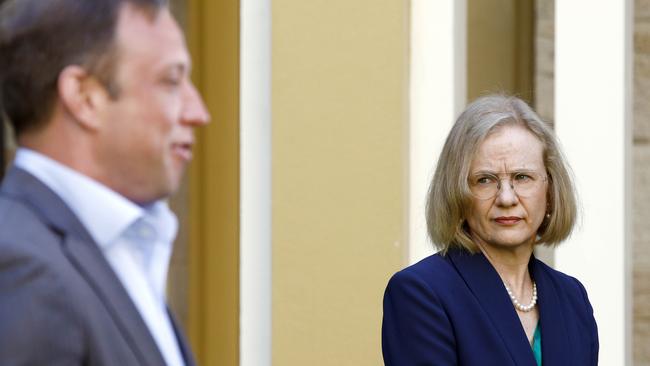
(454, 310)
(60, 301)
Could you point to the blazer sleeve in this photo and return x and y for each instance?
(594, 328)
(38, 325)
(415, 329)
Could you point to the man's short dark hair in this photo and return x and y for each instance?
(39, 38)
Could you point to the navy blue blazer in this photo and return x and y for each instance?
(454, 310)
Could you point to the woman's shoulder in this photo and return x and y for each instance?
(433, 265)
(433, 271)
(555, 275)
(422, 285)
(566, 284)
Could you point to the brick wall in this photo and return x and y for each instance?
(544, 56)
(641, 184)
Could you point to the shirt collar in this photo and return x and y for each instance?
(105, 213)
(162, 220)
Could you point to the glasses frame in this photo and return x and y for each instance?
(542, 178)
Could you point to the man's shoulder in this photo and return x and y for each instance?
(15, 214)
(23, 232)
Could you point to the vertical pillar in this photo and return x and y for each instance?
(214, 206)
(437, 95)
(593, 120)
(255, 184)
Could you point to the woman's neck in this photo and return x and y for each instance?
(511, 264)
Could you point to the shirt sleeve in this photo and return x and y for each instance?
(415, 329)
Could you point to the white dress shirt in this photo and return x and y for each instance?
(136, 241)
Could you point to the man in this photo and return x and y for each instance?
(99, 96)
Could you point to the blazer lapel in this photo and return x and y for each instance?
(555, 342)
(487, 287)
(182, 341)
(90, 262)
(88, 259)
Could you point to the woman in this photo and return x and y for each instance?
(500, 188)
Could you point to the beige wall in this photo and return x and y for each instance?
(339, 81)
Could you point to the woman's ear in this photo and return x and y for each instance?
(82, 96)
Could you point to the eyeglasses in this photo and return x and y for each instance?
(486, 185)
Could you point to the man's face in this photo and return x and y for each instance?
(147, 135)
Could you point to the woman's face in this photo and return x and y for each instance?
(511, 218)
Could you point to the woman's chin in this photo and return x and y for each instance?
(511, 243)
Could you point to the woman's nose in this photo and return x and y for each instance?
(506, 195)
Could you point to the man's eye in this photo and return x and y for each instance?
(172, 81)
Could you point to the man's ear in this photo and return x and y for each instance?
(82, 96)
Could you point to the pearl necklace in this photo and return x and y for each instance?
(515, 302)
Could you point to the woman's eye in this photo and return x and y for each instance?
(522, 177)
(484, 180)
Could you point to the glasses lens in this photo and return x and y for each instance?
(525, 184)
(486, 185)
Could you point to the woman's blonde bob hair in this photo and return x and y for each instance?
(449, 199)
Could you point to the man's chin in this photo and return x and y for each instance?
(173, 183)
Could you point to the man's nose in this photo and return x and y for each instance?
(194, 110)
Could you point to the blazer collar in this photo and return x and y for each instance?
(87, 258)
(486, 285)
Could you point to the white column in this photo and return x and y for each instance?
(255, 183)
(593, 59)
(437, 95)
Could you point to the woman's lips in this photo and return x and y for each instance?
(507, 220)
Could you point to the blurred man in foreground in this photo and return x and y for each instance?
(99, 96)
